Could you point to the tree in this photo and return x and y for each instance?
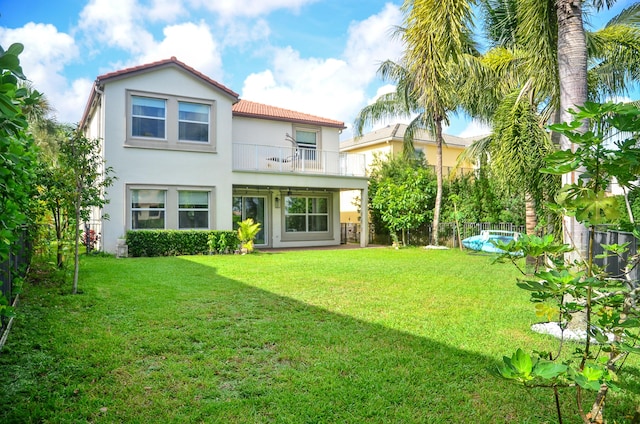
(89, 177)
(560, 290)
(427, 76)
(522, 71)
(17, 151)
(56, 194)
(401, 194)
(543, 48)
(437, 35)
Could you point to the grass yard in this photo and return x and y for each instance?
(342, 336)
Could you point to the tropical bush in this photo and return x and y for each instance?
(564, 286)
(247, 232)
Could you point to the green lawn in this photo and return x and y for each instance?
(343, 336)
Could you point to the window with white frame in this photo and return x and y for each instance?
(148, 117)
(148, 209)
(306, 214)
(193, 122)
(307, 140)
(193, 209)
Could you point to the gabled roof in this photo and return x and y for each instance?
(127, 72)
(249, 109)
(243, 108)
(396, 133)
(161, 64)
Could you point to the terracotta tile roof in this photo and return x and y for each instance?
(259, 110)
(241, 108)
(161, 63)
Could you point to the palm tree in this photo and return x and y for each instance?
(524, 38)
(549, 36)
(437, 35)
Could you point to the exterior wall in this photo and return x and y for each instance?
(272, 133)
(147, 166)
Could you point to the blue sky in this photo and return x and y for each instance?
(314, 56)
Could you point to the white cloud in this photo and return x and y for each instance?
(116, 23)
(238, 33)
(45, 56)
(317, 86)
(249, 8)
(203, 55)
(166, 10)
(474, 129)
(330, 87)
(371, 42)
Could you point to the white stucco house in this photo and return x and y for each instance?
(189, 154)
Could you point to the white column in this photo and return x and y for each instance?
(364, 217)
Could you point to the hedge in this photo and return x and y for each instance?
(180, 242)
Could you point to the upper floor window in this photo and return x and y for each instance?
(193, 122)
(307, 139)
(168, 122)
(148, 117)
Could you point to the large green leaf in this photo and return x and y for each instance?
(549, 370)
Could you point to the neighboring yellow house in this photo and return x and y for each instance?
(388, 141)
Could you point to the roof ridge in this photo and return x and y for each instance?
(172, 60)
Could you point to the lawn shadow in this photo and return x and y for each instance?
(213, 349)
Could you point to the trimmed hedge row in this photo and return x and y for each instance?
(180, 242)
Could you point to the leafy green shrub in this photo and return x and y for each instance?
(222, 242)
(179, 242)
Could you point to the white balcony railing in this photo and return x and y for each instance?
(261, 158)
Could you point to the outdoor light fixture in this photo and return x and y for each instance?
(277, 202)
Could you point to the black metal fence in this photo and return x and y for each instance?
(615, 265)
(14, 266)
(447, 233)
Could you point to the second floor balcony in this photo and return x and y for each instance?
(263, 158)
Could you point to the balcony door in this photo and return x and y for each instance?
(253, 207)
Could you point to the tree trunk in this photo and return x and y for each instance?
(572, 75)
(595, 415)
(530, 224)
(59, 233)
(76, 255)
(436, 209)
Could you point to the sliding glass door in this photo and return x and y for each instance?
(251, 207)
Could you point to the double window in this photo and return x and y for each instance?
(306, 214)
(153, 208)
(169, 122)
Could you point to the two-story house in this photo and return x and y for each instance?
(189, 154)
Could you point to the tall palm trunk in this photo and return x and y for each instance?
(572, 73)
(530, 218)
(436, 209)
(530, 223)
